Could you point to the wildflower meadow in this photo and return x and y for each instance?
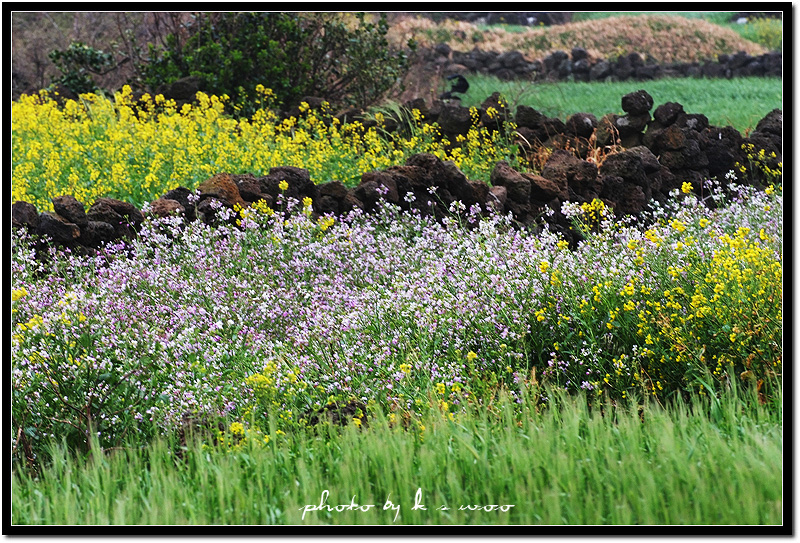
(234, 373)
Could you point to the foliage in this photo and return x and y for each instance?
(767, 31)
(761, 167)
(77, 62)
(296, 55)
(137, 150)
(70, 389)
(703, 325)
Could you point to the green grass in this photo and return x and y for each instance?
(567, 465)
(740, 102)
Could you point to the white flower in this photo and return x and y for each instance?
(571, 209)
(457, 206)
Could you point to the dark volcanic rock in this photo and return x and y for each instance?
(518, 188)
(182, 196)
(164, 207)
(95, 233)
(71, 209)
(581, 124)
(542, 189)
(133, 216)
(250, 188)
(298, 180)
(57, 227)
(637, 103)
(626, 165)
(222, 187)
(666, 114)
(631, 124)
(375, 186)
(627, 198)
(24, 214)
(124, 217)
(567, 170)
(454, 120)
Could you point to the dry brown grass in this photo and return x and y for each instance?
(665, 38)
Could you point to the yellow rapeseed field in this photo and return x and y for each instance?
(136, 151)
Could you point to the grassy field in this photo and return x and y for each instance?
(740, 102)
(567, 465)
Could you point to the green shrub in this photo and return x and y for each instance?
(765, 31)
(294, 54)
(77, 62)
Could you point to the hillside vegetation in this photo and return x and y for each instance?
(665, 38)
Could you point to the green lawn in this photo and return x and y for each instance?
(739, 102)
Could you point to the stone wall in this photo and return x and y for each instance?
(577, 65)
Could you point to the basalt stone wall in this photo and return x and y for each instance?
(578, 65)
(648, 156)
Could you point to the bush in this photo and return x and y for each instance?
(765, 31)
(293, 54)
(77, 62)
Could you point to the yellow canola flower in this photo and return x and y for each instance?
(135, 151)
(34, 322)
(677, 225)
(325, 222)
(652, 236)
(237, 428)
